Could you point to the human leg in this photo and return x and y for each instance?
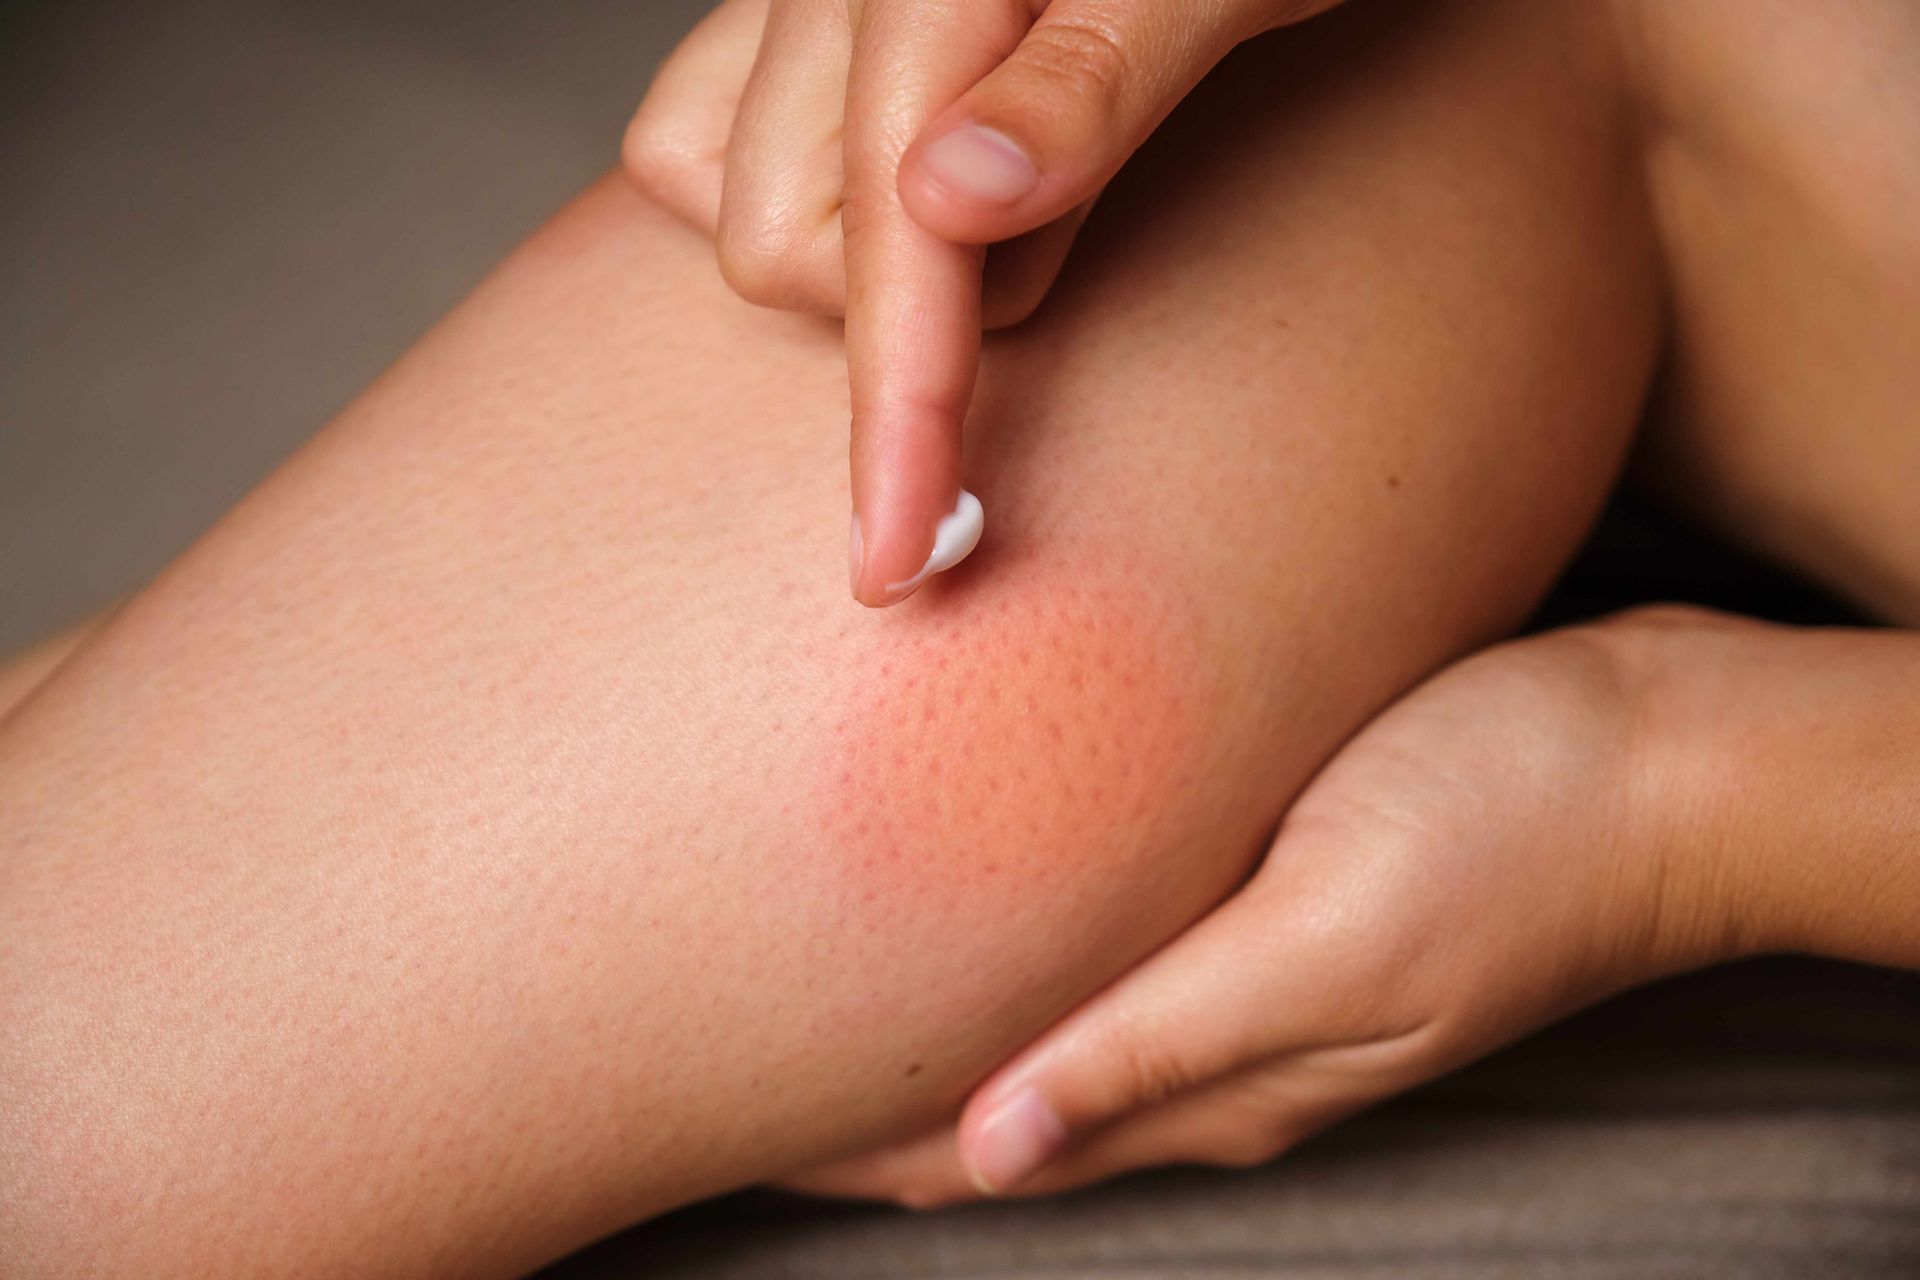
(501, 827)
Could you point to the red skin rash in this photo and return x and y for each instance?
(1024, 740)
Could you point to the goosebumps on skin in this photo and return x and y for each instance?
(1033, 746)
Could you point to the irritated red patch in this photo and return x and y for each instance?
(1013, 731)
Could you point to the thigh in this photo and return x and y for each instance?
(503, 826)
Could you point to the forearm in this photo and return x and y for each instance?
(1788, 765)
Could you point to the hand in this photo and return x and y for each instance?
(1492, 852)
(853, 156)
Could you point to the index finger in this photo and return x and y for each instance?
(913, 299)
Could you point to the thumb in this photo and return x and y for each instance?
(1202, 1006)
(1049, 126)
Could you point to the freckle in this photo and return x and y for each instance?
(911, 681)
(867, 896)
(914, 1069)
(991, 869)
(886, 668)
(1393, 482)
(941, 663)
(840, 727)
(1053, 730)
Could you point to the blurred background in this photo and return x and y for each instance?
(222, 218)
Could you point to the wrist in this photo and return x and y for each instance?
(1697, 780)
(1775, 780)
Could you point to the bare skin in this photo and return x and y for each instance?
(1780, 157)
(25, 671)
(1707, 788)
(501, 827)
(1541, 825)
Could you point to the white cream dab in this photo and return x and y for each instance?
(953, 541)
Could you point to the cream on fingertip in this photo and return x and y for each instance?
(953, 541)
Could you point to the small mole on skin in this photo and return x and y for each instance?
(914, 1069)
(1393, 482)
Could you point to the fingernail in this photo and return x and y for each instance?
(856, 556)
(1013, 1141)
(980, 164)
(954, 539)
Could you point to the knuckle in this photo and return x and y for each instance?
(1153, 1072)
(765, 261)
(1083, 55)
(655, 157)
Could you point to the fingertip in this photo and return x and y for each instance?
(1012, 1142)
(953, 539)
(970, 183)
(974, 163)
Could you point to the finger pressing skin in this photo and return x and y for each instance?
(676, 144)
(1052, 124)
(913, 299)
(779, 238)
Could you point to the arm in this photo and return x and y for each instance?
(1789, 766)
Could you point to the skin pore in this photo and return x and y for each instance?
(429, 866)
